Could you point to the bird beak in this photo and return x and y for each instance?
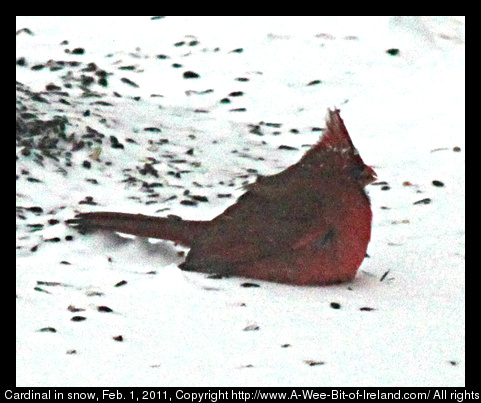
(368, 175)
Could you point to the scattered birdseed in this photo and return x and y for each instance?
(393, 52)
(190, 74)
(120, 283)
(47, 330)
(250, 285)
(103, 308)
(129, 82)
(313, 363)
(427, 200)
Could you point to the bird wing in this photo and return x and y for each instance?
(267, 220)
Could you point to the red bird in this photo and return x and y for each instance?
(308, 225)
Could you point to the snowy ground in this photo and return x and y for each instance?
(263, 82)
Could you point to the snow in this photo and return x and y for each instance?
(405, 114)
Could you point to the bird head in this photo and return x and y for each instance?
(335, 154)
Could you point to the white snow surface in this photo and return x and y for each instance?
(405, 114)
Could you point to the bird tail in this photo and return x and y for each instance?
(172, 228)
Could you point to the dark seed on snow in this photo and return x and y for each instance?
(55, 239)
(49, 283)
(90, 67)
(25, 31)
(102, 81)
(384, 275)
(188, 202)
(88, 200)
(94, 294)
(35, 209)
(72, 308)
(190, 74)
(48, 330)
(78, 318)
(86, 80)
(114, 142)
(118, 338)
(255, 129)
(120, 283)
(270, 124)
(392, 51)
(251, 328)
(104, 309)
(313, 363)
(427, 200)
(35, 226)
(129, 82)
(438, 183)
(335, 305)
(250, 285)
(200, 198)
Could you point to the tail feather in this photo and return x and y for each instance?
(172, 228)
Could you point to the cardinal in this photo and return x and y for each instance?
(307, 225)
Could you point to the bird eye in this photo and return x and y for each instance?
(363, 174)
